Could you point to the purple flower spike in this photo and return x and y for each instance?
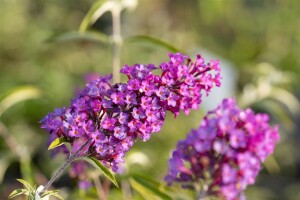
(133, 84)
(138, 113)
(118, 98)
(123, 118)
(101, 149)
(229, 147)
(113, 116)
(109, 123)
(131, 98)
(120, 132)
(98, 137)
(172, 99)
(162, 92)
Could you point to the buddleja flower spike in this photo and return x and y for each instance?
(225, 153)
(108, 118)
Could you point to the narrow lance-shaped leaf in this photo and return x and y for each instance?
(104, 170)
(57, 196)
(26, 184)
(271, 165)
(17, 192)
(26, 169)
(91, 36)
(49, 192)
(152, 40)
(57, 142)
(18, 95)
(145, 186)
(52, 193)
(95, 12)
(146, 194)
(287, 99)
(6, 159)
(277, 110)
(162, 187)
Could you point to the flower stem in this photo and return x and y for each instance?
(202, 195)
(117, 41)
(201, 191)
(99, 188)
(71, 158)
(59, 172)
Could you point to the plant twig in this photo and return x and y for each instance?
(202, 194)
(126, 190)
(71, 158)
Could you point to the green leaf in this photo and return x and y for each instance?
(52, 193)
(91, 36)
(26, 169)
(152, 40)
(271, 165)
(6, 159)
(146, 186)
(26, 184)
(146, 178)
(95, 12)
(57, 142)
(146, 194)
(17, 192)
(286, 98)
(18, 95)
(104, 170)
(57, 196)
(277, 110)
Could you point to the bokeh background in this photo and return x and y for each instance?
(41, 66)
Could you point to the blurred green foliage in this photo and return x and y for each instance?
(40, 47)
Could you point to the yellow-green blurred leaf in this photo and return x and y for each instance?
(17, 192)
(278, 111)
(271, 165)
(57, 196)
(104, 170)
(91, 36)
(26, 184)
(286, 98)
(152, 40)
(52, 193)
(6, 159)
(57, 142)
(26, 169)
(18, 95)
(95, 12)
(146, 186)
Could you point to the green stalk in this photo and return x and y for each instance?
(116, 41)
(71, 158)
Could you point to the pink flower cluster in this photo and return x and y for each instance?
(112, 116)
(226, 151)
